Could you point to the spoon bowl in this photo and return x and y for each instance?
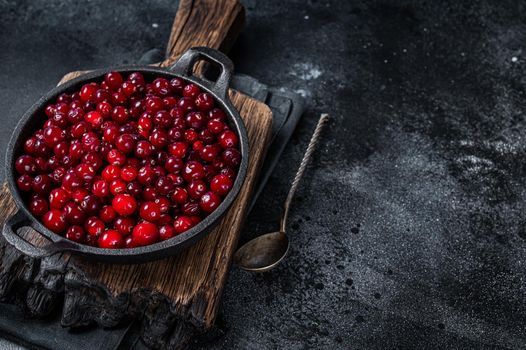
(263, 253)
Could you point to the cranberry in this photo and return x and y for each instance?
(38, 206)
(53, 135)
(128, 173)
(117, 186)
(58, 198)
(143, 149)
(179, 195)
(150, 211)
(164, 185)
(186, 104)
(209, 152)
(94, 226)
(111, 131)
(197, 188)
(124, 204)
(118, 98)
(204, 102)
(124, 225)
(193, 170)
(158, 138)
(55, 221)
(129, 243)
(25, 183)
(169, 102)
(145, 233)
(94, 118)
(78, 194)
(113, 80)
(79, 129)
(75, 115)
(128, 88)
(107, 214)
(161, 86)
(190, 135)
(74, 215)
(182, 223)
(190, 208)
(178, 149)
(111, 172)
(42, 184)
(164, 204)
(87, 91)
(177, 85)
(134, 188)
(232, 157)
(150, 194)
(195, 120)
(228, 139)
(111, 239)
(146, 175)
(166, 232)
(76, 233)
(100, 188)
(91, 204)
(153, 104)
(209, 202)
(191, 90)
(25, 165)
(173, 164)
(125, 143)
(104, 108)
(162, 119)
(215, 126)
(221, 184)
(217, 114)
(120, 115)
(85, 172)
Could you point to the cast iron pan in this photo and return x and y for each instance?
(31, 121)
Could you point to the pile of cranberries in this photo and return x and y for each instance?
(128, 162)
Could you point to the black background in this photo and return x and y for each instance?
(408, 231)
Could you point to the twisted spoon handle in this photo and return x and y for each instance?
(301, 170)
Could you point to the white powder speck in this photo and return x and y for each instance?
(306, 17)
(155, 25)
(514, 59)
(306, 71)
(302, 92)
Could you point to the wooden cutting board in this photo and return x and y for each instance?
(173, 299)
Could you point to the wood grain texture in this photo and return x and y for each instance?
(175, 298)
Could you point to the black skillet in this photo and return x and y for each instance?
(32, 120)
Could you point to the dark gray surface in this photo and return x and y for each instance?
(409, 230)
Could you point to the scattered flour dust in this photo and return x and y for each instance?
(306, 71)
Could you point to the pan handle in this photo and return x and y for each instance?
(19, 220)
(185, 65)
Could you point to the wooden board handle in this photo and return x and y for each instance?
(212, 23)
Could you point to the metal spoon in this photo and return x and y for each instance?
(265, 252)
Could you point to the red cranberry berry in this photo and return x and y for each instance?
(209, 202)
(221, 184)
(38, 206)
(204, 102)
(58, 198)
(182, 223)
(113, 80)
(76, 233)
(145, 233)
(55, 221)
(111, 239)
(124, 204)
